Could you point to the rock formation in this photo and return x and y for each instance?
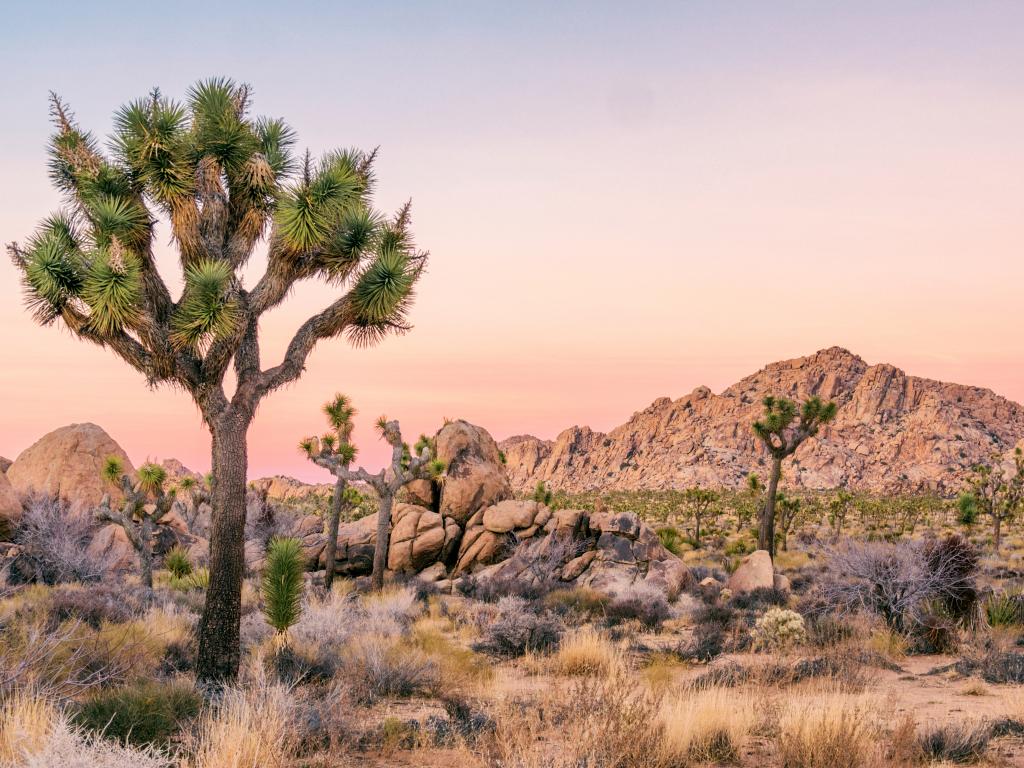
(892, 433)
(68, 462)
(10, 507)
(476, 531)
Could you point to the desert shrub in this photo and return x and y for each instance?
(177, 562)
(54, 544)
(901, 581)
(459, 667)
(758, 599)
(149, 713)
(706, 643)
(295, 663)
(701, 572)
(646, 604)
(377, 667)
(714, 615)
(739, 547)
(998, 667)
(92, 606)
(779, 630)
(580, 601)
(1005, 610)
(671, 539)
(195, 581)
(935, 632)
(390, 612)
(26, 723)
(464, 722)
(833, 731)
(517, 630)
(248, 727)
(493, 589)
(585, 651)
(955, 742)
(826, 630)
(705, 726)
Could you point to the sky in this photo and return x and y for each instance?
(621, 201)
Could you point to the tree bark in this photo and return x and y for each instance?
(218, 655)
(998, 532)
(766, 535)
(380, 552)
(146, 552)
(331, 550)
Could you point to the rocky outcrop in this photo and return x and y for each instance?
(68, 462)
(5, 464)
(10, 508)
(292, 491)
(893, 433)
(475, 477)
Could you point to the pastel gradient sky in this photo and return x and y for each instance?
(622, 201)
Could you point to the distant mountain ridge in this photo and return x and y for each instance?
(892, 433)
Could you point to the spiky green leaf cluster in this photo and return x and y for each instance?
(111, 290)
(339, 412)
(113, 469)
(208, 309)
(381, 296)
(436, 468)
(310, 212)
(152, 478)
(282, 583)
(54, 270)
(150, 138)
(177, 562)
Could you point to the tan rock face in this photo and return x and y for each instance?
(68, 462)
(475, 478)
(754, 572)
(893, 433)
(10, 507)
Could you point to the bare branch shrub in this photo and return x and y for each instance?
(54, 543)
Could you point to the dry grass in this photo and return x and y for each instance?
(251, 727)
(586, 651)
(831, 730)
(26, 722)
(711, 725)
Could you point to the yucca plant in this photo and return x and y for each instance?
(177, 562)
(145, 503)
(782, 429)
(404, 468)
(226, 182)
(282, 584)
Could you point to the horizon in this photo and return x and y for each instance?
(609, 222)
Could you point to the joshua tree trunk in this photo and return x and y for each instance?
(331, 550)
(766, 535)
(380, 553)
(146, 552)
(218, 655)
(997, 531)
(697, 531)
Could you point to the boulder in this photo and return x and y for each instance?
(10, 508)
(417, 538)
(475, 477)
(110, 544)
(781, 583)
(754, 572)
(418, 492)
(356, 541)
(436, 572)
(68, 462)
(510, 515)
(310, 533)
(5, 464)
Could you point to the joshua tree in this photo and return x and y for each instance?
(994, 494)
(225, 181)
(790, 510)
(191, 495)
(542, 494)
(404, 468)
(339, 447)
(282, 584)
(145, 505)
(700, 502)
(838, 508)
(749, 501)
(782, 430)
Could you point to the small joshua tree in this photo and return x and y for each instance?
(404, 468)
(791, 511)
(782, 430)
(145, 504)
(542, 494)
(749, 501)
(282, 584)
(700, 502)
(838, 508)
(190, 497)
(338, 445)
(994, 494)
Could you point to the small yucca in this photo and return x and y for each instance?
(282, 583)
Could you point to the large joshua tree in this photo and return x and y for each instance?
(226, 182)
(403, 469)
(783, 428)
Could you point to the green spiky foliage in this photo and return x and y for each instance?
(542, 494)
(177, 562)
(227, 182)
(782, 428)
(282, 583)
(152, 478)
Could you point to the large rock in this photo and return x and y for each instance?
(356, 542)
(110, 544)
(893, 433)
(755, 571)
(68, 462)
(475, 477)
(417, 538)
(10, 508)
(5, 464)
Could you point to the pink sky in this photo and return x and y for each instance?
(616, 215)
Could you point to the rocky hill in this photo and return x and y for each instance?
(893, 433)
